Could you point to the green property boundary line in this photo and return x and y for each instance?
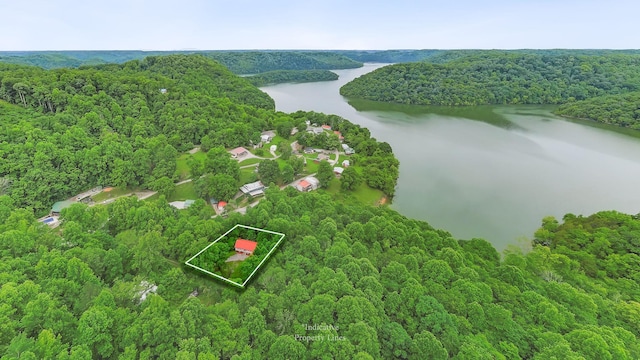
(188, 262)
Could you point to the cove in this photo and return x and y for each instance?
(490, 172)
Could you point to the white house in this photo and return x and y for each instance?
(346, 164)
(338, 170)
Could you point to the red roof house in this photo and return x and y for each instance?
(238, 152)
(304, 185)
(245, 246)
(326, 127)
(221, 205)
(339, 135)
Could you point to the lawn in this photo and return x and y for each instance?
(111, 194)
(311, 167)
(250, 161)
(183, 192)
(247, 176)
(362, 193)
(275, 141)
(367, 195)
(181, 164)
(266, 153)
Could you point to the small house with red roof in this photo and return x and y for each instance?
(221, 205)
(326, 127)
(308, 184)
(246, 247)
(340, 137)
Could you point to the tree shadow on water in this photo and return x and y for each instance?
(484, 113)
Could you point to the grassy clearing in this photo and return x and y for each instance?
(367, 195)
(247, 176)
(183, 192)
(334, 186)
(249, 161)
(276, 141)
(182, 167)
(362, 193)
(153, 197)
(265, 154)
(311, 167)
(112, 194)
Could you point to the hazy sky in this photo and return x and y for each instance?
(327, 24)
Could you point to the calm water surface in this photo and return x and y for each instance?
(489, 172)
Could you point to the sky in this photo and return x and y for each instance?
(326, 24)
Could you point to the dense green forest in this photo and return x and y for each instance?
(442, 56)
(291, 76)
(621, 109)
(239, 62)
(389, 287)
(496, 77)
(253, 62)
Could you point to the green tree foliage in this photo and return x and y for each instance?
(269, 171)
(253, 62)
(219, 186)
(291, 76)
(350, 179)
(325, 173)
(499, 77)
(390, 298)
(240, 62)
(620, 109)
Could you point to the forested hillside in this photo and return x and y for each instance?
(622, 109)
(500, 78)
(389, 287)
(239, 62)
(70, 130)
(253, 62)
(443, 56)
(291, 76)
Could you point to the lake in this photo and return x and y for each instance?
(490, 172)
